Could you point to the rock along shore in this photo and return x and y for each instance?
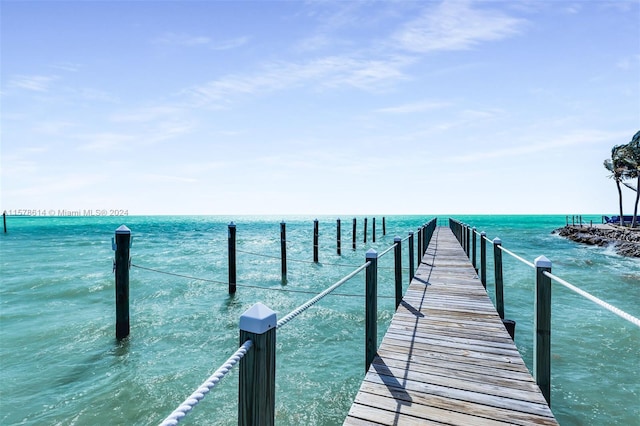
(625, 241)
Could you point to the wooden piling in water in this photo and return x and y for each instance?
(354, 234)
(231, 249)
(4, 221)
(384, 227)
(365, 230)
(283, 250)
(338, 238)
(373, 230)
(257, 375)
(315, 241)
(122, 264)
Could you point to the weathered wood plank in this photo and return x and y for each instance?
(446, 357)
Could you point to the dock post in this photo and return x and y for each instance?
(257, 375)
(373, 229)
(473, 249)
(542, 320)
(411, 260)
(283, 250)
(419, 246)
(354, 234)
(384, 227)
(483, 259)
(338, 238)
(121, 266)
(497, 267)
(425, 242)
(315, 241)
(371, 307)
(4, 220)
(365, 230)
(232, 258)
(468, 243)
(397, 254)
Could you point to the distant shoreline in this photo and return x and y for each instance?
(625, 241)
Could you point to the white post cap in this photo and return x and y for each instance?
(258, 319)
(397, 239)
(122, 229)
(232, 225)
(371, 254)
(497, 240)
(542, 262)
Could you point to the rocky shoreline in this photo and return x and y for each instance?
(625, 241)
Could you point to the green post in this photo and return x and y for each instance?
(483, 259)
(473, 249)
(371, 307)
(283, 250)
(122, 264)
(542, 320)
(338, 238)
(365, 230)
(315, 241)
(354, 234)
(232, 258)
(373, 229)
(257, 375)
(497, 266)
(397, 254)
(411, 259)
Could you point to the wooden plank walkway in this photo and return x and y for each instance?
(446, 357)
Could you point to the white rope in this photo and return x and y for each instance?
(517, 257)
(611, 308)
(188, 404)
(300, 309)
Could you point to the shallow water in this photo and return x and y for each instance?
(62, 365)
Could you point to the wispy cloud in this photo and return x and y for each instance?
(105, 142)
(174, 39)
(456, 25)
(331, 71)
(36, 83)
(414, 107)
(232, 43)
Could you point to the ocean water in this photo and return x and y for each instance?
(61, 364)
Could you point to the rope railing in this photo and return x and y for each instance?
(244, 285)
(633, 320)
(198, 395)
(300, 309)
(512, 254)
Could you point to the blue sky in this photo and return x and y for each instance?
(318, 107)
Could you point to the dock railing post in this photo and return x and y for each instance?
(397, 252)
(371, 307)
(121, 266)
(411, 257)
(232, 258)
(419, 246)
(497, 266)
(257, 375)
(425, 242)
(483, 259)
(338, 238)
(473, 249)
(467, 234)
(315, 241)
(283, 250)
(384, 227)
(354, 234)
(542, 341)
(4, 221)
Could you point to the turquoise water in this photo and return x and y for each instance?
(62, 365)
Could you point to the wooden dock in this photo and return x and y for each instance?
(446, 357)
